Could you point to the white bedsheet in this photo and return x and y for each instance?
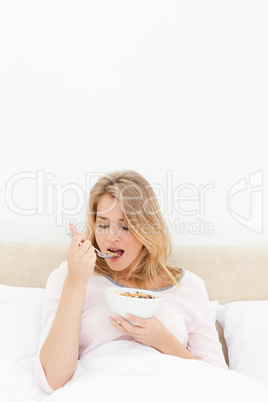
(130, 371)
(116, 371)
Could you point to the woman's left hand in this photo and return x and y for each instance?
(148, 331)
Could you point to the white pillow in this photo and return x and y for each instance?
(20, 318)
(214, 308)
(245, 326)
(19, 336)
(31, 298)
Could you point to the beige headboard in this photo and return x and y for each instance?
(29, 264)
(230, 273)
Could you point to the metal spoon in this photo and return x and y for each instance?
(99, 253)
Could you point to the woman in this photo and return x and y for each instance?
(123, 217)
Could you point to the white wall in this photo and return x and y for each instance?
(176, 90)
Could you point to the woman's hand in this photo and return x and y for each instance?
(81, 257)
(59, 353)
(149, 332)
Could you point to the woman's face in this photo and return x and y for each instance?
(112, 234)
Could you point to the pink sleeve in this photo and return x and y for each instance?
(41, 377)
(203, 339)
(52, 297)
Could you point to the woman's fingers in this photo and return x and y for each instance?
(86, 247)
(150, 332)
(125, 326)
(72, 229)
(140, 322)
(78, 239)
(81, 256)
(117, 323)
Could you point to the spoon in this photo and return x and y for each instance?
(109, 254)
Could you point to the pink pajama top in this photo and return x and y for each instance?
(185, 311)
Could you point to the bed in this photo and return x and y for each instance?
(236, 279)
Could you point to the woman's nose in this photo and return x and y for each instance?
(114, 233)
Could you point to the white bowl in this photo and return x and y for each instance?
(121, 305)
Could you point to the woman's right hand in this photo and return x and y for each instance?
(81, 257)
(59, 353)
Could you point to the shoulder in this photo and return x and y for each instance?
(57, 277)
(192, 290)
(191, 278)
(192, 283)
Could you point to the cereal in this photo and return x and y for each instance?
(110, 253)
(136, 295)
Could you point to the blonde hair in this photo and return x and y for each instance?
(141, 211)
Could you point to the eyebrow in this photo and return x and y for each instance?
(107, 219)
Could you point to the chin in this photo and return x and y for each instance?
(118, 268)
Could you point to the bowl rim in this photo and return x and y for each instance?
(112, 290)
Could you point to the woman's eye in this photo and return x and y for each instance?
(107, 226)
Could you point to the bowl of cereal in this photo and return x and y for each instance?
(139, 302)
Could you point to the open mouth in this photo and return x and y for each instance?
(116, 251)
